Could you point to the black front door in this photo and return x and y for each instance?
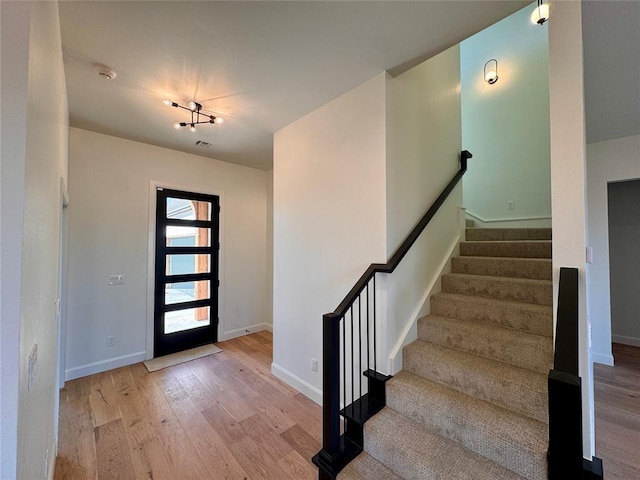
(186, 273)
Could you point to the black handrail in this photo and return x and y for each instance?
(565, 391)
(337, 451)
(405, 246)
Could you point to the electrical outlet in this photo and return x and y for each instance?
(117, 279)
(314, 365)
(509, 204)
(111, 341)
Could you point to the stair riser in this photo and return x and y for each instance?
(477, 426)
(499, 234)
(537, 269)
(529, 400)
(536, 319)
(524, 351)
(499, 288)
(506, 249)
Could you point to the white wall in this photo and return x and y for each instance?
(568, 179)
(329, 221)
(269, 318)
(34, 158)
(608, 161)
(423, 152)
(506, 125)
(109, 188)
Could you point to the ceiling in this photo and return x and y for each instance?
(260, 65)
(263, 64)
(611, 31)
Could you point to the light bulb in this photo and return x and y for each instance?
(540, 14)
(192, 127)
(219, 120)
(491, 76)
(192, 106)
(176, 125)
(167, 102)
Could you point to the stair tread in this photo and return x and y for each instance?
(513, 347)
(413, 451)
(512, 267)
(518, 389)
(365, 467)
(526, 317)
(522, 234)
(507, 248)
(524, 290)
(507, 438)
(490, 278)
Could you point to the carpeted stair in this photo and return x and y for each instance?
(471, 401)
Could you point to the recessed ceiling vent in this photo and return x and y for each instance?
(105, 71)
(203, 144)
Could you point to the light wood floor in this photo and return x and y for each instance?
(617, 395)
(220, 417)
(226, 417)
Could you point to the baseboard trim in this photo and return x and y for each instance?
(531, 221)
(602, 359)
(296, 382)
(395, 357)
(104, 365)
(632, 341)
(239, 332)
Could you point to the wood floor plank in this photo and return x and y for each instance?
(221, 417)
(114, 460)
(303, 443)
(104, 405)
(218, 459)
(296, 467)
(617, 412)
(76, 442)
(258, 463)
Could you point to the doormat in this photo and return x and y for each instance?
(180, 357)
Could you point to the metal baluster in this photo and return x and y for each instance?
(344, 362)
(352, 365)
(375, 354)
(368, 353)
(360, 345)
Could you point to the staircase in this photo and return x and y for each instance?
(471, 401)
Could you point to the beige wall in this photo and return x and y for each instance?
(109, 224)
(34, 159)
(423, 150)
(329, 221)
(609, 161)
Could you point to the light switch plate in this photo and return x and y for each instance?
(117, 279)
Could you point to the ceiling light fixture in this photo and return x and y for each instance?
(197, 116)
(540, 13)
(491, 71)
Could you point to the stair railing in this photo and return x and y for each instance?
(340, 329)
(565, 454)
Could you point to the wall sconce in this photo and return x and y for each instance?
(491, 71)
(540, 13)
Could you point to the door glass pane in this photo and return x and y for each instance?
(183, 209)
(186, 291)
(181, 264)
(186, 319)
(188, 236)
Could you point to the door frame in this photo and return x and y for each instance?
(151, 257)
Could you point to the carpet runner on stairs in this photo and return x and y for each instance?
(471, 401)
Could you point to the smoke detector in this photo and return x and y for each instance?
(105, 71)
